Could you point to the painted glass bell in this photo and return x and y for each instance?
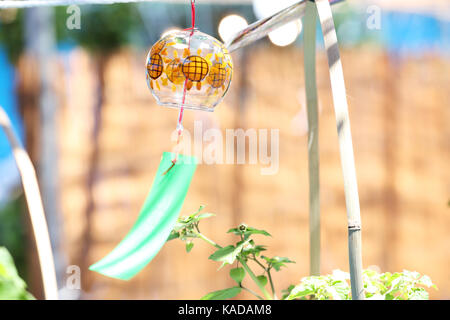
(189, 66)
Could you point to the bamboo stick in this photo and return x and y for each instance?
(313, 137)
(345, 147)
(35, 208)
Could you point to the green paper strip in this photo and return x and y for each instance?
(155, 221)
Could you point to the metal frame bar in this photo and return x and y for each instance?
(263, 27)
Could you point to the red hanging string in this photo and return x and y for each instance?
(192, 15)
(180, 115)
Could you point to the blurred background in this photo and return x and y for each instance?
(79, 101)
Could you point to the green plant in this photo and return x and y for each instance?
(404, 285)
(12, 233)
(244, 251)
(12, 287)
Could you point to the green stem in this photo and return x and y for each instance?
(255, 279)
(271, 284)
(244, 264)
(259, 263)
(252, 292)
(204, 238)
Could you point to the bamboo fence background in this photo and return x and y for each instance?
(399, 115)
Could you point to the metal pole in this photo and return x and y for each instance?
(263, 27)
(6, 4)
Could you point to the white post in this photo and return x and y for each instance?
(35, 208)
(345, 146)
(313, 137)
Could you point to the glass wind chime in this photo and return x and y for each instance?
(186, 69)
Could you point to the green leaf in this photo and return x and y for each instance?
(338, 290)
(7, 268)
(251, 230)
(299, 292)
(277, 262)
(256, 250)
(205, 215)
(234, 231)
(287, 291)
(222, 294)
(12, 287)
(248, 231)
(237, 274)
(228, 254)
(426, 281)
(225, 254)
(341, 286)
(189, 246)
(406, 285)
(180, 224)
(262, 279)
(418, 294)
(197, 212)
(173, 235)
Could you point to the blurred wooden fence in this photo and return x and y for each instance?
(400, 115)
